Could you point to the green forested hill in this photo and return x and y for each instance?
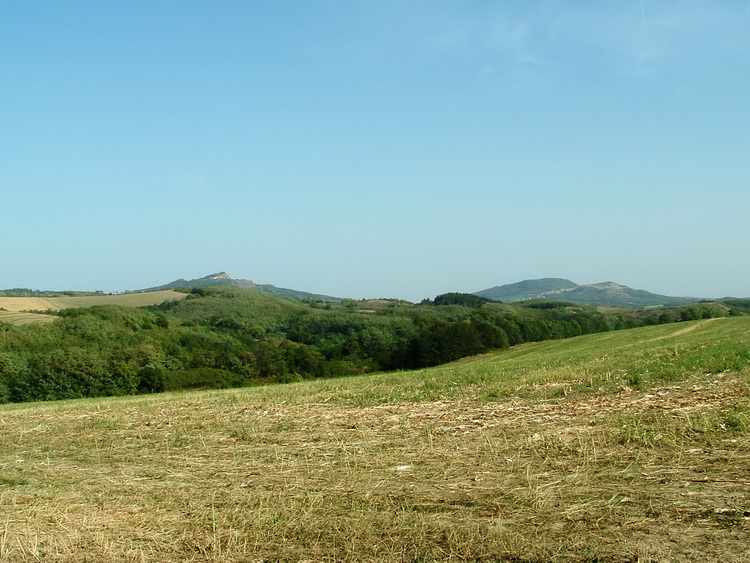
(222, 279)
(225, 336)
(606, 294)
(527, 289)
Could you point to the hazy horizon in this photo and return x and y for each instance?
(376, 149)
(415, 300)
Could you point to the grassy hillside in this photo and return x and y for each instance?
(218, 337)
(17, 304)
(623, 446)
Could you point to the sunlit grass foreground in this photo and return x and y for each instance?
(625, 446)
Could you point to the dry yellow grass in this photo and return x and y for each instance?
(15, 304)
(316, 472)
(18, 318)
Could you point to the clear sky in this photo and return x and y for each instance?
(376, 148)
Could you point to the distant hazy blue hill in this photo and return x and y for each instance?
(606, 294)
(222, 278)
(527, 289)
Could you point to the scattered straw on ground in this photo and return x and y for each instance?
(655, 475)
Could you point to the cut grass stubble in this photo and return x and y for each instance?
(482, 460)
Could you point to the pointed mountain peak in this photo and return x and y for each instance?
(219, 276)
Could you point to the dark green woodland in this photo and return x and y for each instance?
(221, 337)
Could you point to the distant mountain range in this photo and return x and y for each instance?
(608, 294)
(222, 278)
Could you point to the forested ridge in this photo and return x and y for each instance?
(228, 337)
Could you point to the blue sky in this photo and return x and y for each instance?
(376, 149)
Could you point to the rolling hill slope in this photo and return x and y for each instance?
(224, 279)
(57, 303)
(622, 446)
(607, 294)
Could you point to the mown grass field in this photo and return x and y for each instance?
(624, 446)
(14, 307)
(20, 318)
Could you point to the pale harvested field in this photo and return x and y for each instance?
(230, 478)
(18, 318)
(15, 304)
(351, 470)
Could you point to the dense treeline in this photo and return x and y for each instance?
(738, 306)
(26, 292)
(227, 337)
(467, 299)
